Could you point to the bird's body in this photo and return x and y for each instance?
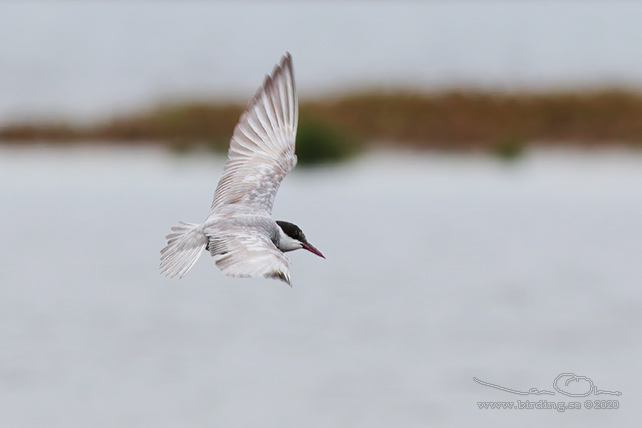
(240, 232)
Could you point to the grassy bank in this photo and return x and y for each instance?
(451, 121)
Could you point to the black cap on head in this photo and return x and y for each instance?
(292, 230)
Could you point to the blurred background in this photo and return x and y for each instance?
(471, 170)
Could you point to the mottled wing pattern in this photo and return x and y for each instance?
(249, 252)
(262, 148)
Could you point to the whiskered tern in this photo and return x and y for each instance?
(239, 232)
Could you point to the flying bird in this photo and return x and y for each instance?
(239, 231)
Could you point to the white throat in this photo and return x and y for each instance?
(287, 243)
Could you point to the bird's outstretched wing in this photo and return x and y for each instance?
(249, 252)
(262, 148)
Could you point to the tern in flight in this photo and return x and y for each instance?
(239, 232)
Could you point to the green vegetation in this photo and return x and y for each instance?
(509, 149)
(333, 129)
(318, 142)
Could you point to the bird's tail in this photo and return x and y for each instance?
(185, 244)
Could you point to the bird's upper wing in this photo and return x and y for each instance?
(262, 148)
(249, 252)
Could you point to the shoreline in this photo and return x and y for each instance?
(459, 121)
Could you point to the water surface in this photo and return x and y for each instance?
(439, 269)
(89, 60)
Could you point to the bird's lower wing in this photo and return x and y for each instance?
(249, 253)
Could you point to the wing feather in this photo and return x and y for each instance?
(262, 148)
(249, 253)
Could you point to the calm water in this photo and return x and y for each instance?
(89, 59)
(439, 269)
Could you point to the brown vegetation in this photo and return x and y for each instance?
(469, 120)
(452, 120)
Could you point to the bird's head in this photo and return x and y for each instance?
(291, 238)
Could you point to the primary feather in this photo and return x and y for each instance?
(262, 148)
(249, 252)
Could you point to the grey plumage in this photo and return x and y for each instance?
(239, 232)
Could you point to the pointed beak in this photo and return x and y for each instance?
(313, 250)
